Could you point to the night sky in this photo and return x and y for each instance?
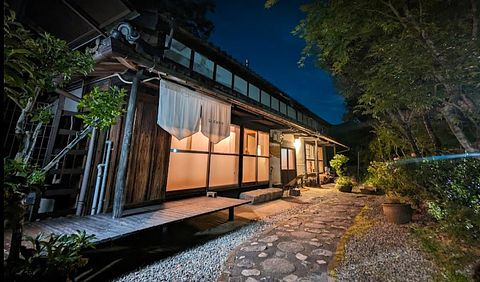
(246, 30)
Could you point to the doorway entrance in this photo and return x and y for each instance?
(288, 165)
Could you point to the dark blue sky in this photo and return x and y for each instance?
(246, 30)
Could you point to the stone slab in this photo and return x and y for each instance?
(262, 195)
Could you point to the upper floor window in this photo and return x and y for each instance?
(253, 92)
(223, 76)
(240, 85)
(179, 53)
(265, 98)
(283, 108)
(275, 104)
(292, 113)
(202, 65)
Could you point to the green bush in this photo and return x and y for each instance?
(392, 179)
(54, 259)
(451, 189)
(339, 164)
(344, 184)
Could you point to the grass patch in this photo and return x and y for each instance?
(360, 226)
(455, 258)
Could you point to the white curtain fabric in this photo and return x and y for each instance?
(215, 119)
(180, 111)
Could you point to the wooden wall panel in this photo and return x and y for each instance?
(116, 136)
(160, 164)
(148, 159)
(142, 151)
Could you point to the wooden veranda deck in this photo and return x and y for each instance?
(107, 229)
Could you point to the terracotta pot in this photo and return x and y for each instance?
(397, 213)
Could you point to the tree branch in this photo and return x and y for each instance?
(473, 4)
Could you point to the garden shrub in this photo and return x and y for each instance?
(451, 189)
(56, 258)
(394, 180)
(344, 184)
(339, 164)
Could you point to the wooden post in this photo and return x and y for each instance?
(53, 132)
(231, 214)
(317, 177)
(118, 200)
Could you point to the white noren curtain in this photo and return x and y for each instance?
(181, 109)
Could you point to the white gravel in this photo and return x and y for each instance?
(205, 262)
(386, 252)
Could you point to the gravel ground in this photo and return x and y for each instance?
(205, 262)
(386, 252)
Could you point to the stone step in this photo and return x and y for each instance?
(262, 195)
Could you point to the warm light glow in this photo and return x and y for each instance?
(297, 144)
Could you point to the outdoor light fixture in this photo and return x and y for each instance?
(297, 144)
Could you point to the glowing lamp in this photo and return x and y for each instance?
(297, 144)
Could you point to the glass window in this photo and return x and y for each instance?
(310, 166)
(223, 76)
(283, 108)
(299, 116)
(186, 171)
(253, 92)
(284, 158)
(310, 151)
(263, 169)
(320, 160)
(223, 170)
(196, 142)
(265, 98)
(292, 113)
(249, 169)
(275, 104)
(291, 159)
(249, 142)
(263, 144)
(288, 159)
(240, 85)
(179, 53)
(231, 144)
(202, 65)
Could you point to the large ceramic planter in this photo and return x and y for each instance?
(397, 213)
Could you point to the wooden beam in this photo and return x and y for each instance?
(119, 197)
(126, 63)
(316, 161)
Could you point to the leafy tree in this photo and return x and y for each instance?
(35, 66)
(188, 14)
(403, 62)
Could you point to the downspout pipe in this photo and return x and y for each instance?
(86, 173)
(100, 169)
(104, 178)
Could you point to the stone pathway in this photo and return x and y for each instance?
(300, 247)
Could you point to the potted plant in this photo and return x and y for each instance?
(344, 184)
(339, 165)
(392, 180)
(397, 210)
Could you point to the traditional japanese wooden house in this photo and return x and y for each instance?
(197, 120)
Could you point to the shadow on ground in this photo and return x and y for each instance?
(108, 261)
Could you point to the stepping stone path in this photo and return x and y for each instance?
(298, 248)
